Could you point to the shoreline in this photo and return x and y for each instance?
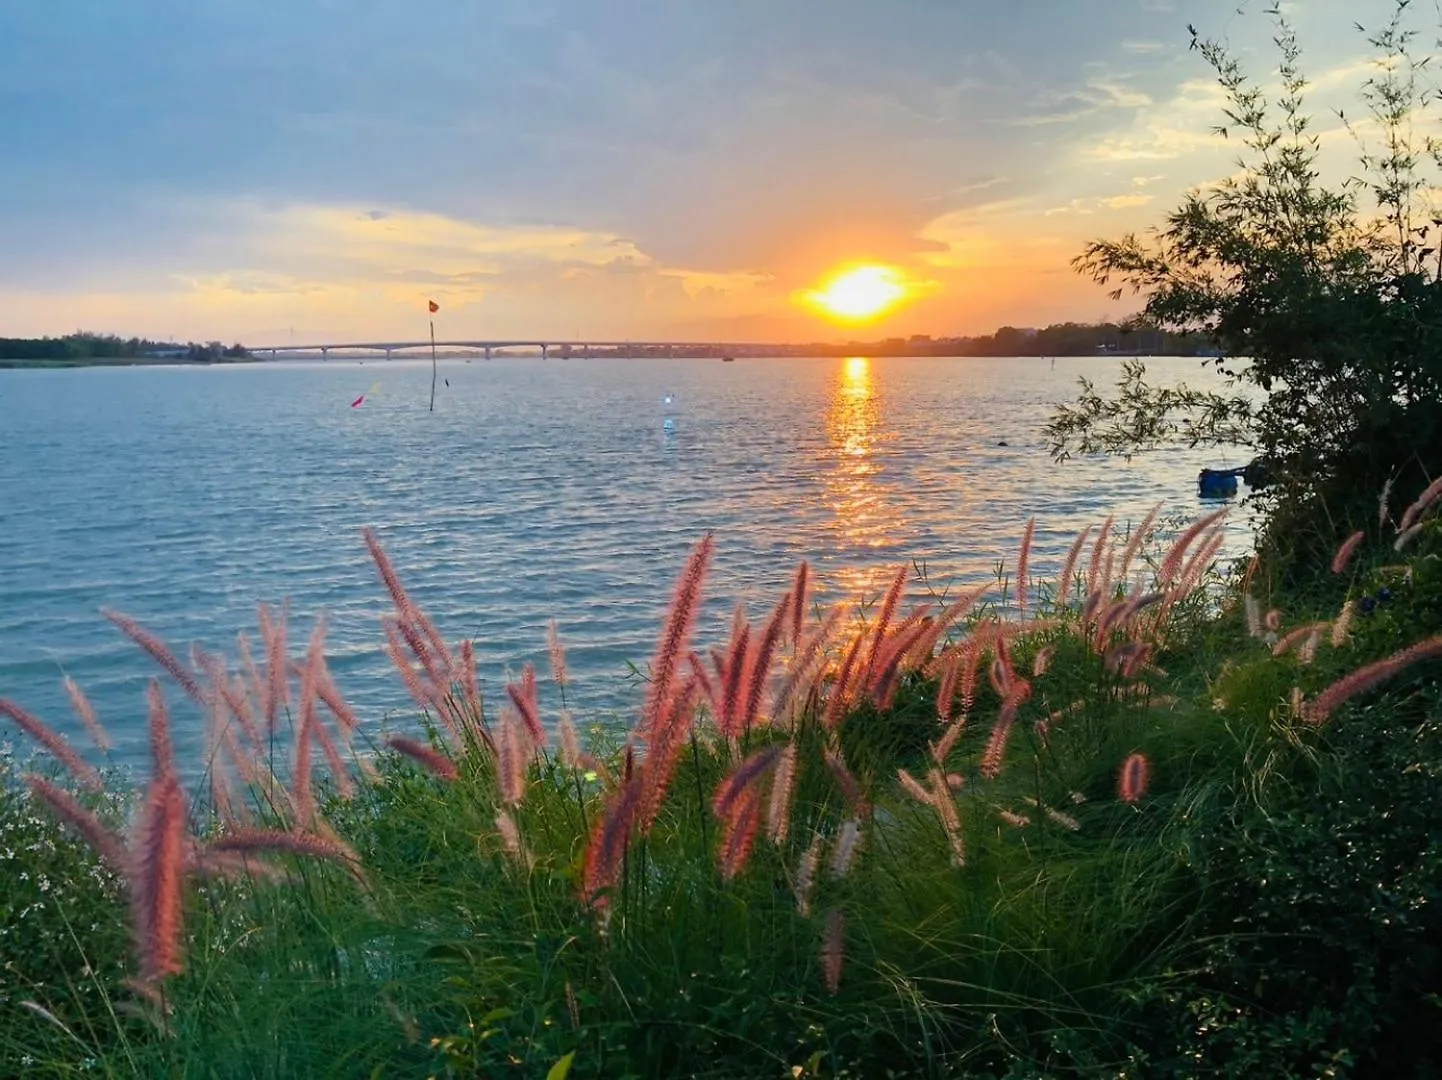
(121, 361)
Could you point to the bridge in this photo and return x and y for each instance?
(545, 350)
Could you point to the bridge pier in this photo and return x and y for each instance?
(545, 351)
(324, 352)
(388, 354)
(586, 352)
(488, 352)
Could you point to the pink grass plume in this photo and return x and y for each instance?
(783, 791)
(799, 599)
(85, 713)
(1023, 562)
(156, 876)
(1413, 513)
(69, 810)
(427, 757)
(806, 873)
(158, 651)
(1135, 774)
(1368, 676)
(1344, 553)
(55, 743)
(833, 949)
(673, 646)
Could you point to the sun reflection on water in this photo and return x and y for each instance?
(864, 515)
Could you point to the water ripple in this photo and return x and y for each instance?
(187, 496)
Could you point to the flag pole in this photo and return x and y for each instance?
(433, 365)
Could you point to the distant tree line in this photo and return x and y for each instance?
(87, 346)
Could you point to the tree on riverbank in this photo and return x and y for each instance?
(1325, 300)
(84, 346)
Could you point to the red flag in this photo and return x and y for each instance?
(356, 404)
(435, 307)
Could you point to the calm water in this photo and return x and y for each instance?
(184, 496)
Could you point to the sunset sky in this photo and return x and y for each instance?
(612, 169)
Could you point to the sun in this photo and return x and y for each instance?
(859, 293)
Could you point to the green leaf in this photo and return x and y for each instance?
(561, 1069)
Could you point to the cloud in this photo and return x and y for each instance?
(1166, 130)
(1096, 96)
(1121, 202)
(1143, 181)
(1144, 46)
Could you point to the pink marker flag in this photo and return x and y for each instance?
(356, 403)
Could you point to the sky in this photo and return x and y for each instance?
(276, 170)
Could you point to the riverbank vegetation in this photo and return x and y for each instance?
(88, 350)
(1149, 817)
(1093, 826)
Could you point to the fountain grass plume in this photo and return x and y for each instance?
(1023, 564)
(732, 674)
(156, 875)
(429, 758)
(744, 777)
(513, 755)
(1295, 637)
(158, 650)
(1138, 537)
(799, 598)
(879, 629)
(1413, 513)
(84, 822)
(1095, 569)
(85, 713)
(1068, 568)
(946, 686)
(738, 833)
(1134, 777)
(841, 688)
(607, 845)
(248, 840)
(556, 653)
(1368, 676)
(806, 869)
(806, 663)
(302, 786)
(1344, 553)
(783, 794)
(663, 750)
(524, 696)
(758, 667)
(845, 780)
(471, 695)
(56, 744)
(277, 689)
(1167, 574)
(392, 581)
(673, 646)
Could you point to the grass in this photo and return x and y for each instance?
(523, 918)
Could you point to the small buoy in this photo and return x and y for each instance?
(1216, 484)
(668, 425)
(1002, 443)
